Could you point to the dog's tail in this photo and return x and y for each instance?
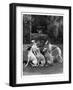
(25, 63)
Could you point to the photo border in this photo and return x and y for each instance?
(12, 41)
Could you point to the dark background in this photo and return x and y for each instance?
(42, 27)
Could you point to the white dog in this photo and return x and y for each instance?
(37, 53)
(40, 57)
(32, 58)
(34, 55)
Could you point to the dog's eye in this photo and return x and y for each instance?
(35, 53)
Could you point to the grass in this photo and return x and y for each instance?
(56, 68)
(49, 69)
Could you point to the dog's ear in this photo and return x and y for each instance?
(45, 49)
(28, 48)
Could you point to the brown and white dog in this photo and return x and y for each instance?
(52, 52)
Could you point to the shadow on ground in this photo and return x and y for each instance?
(49, 69)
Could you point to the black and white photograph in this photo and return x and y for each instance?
(42, 44)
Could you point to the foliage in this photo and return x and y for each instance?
(43, 24)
